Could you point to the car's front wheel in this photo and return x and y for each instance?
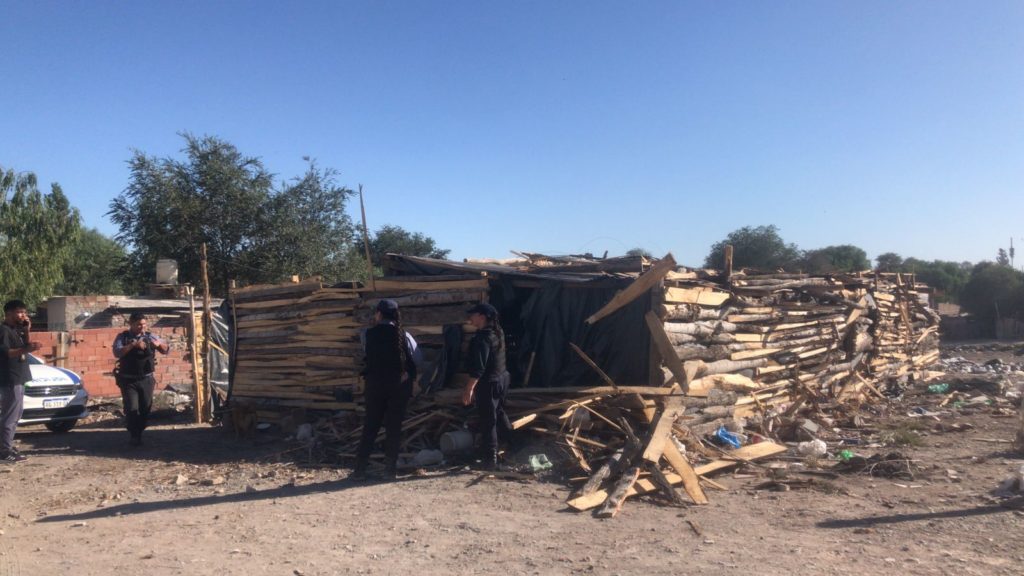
(61, 426)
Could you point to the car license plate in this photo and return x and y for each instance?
(55, 403)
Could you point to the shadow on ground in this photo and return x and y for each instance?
(286, 491)
(870, 521)
(171, 437)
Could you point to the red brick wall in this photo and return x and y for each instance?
(89, 355)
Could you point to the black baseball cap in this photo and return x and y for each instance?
(14, 305)
(488, 311)
(387, 305)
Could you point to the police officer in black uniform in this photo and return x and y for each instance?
(389, 374)
(489, 383)
(135, 350)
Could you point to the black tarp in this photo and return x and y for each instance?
(553, 315)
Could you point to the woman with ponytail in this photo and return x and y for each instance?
(389, 374)
(489, 381)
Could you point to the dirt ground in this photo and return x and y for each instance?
(196, 501)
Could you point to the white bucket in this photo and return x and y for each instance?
(457, 441)
(166, 271)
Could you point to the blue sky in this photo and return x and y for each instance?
(557, 127)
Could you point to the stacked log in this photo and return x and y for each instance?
(776, 337)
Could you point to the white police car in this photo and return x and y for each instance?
(55, 397)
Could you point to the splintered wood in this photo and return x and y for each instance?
(747, 352)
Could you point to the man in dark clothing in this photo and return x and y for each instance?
(389, 374)
(14, 372)
(135, 350)
(489, 381)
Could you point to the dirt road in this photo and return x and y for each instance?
(193, 501)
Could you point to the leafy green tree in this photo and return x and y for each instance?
(254, 232)
(97, 265)
(889, 262)
(396, 240)
(993, 290)
(37, 232)
(754, 247)
(171, 207)
(307, 230)
(947, 278)
(1002, 258)
(640, 252)
(841, 258)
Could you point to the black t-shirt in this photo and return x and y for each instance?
(486, 360)
(13, 371)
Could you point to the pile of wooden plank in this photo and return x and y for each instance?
(298, 344)
(742, 352)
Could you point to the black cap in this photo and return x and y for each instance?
(488, 311)
(14, 305)
(387, 305)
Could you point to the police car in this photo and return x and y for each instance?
(55, 397)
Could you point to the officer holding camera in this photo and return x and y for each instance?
(135, 350)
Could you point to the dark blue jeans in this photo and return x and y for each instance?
(12, 399)
(490, 406)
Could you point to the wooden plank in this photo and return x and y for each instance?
(389, 284)
(621, 491)
(757, 353)
(700, 295)
(643, 486)
(748, 452)
(690, 480)
(665, 349)
(595, 391)
(645, 282)
(662, 428)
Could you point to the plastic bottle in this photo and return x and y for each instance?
(939, 388)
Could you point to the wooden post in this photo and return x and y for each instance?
(234, 339)
(206, 414)
(197, 381)
(366, 240)
(728, 261)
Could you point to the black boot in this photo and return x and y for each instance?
(488, 461)
(359, 472)
(390, 471)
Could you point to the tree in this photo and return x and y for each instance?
(759, 247)
(97, 265)
(36, 234)
(841, 258)
(993, 289)
(308, 231)
(219, 196)
(1002, 258)
(889, 262)
(640, 252)
(947, 278)
(396, 240)
(171, 207)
